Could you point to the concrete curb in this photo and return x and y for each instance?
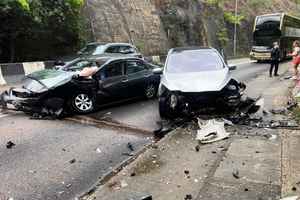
(15, 72)
(110, 174)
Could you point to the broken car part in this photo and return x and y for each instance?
(211, 132)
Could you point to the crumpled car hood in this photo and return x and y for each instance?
(205, 81)
(51, 78)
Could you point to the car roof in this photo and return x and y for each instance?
(108, 43)
(108, 58)
(191, 48)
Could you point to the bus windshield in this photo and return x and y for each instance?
(267, 26)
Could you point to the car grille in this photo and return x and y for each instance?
(21, 93)
(200, 98)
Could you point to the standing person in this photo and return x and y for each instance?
(275, 58)
(296, 58)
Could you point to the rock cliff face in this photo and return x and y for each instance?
(133, 21)
(156, 25)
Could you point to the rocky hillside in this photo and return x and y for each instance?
(156, 25)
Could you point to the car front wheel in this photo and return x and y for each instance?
(150, 91)
(82, 103)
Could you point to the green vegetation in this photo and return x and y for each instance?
(231, 18)
(39, 29)
(223, 37)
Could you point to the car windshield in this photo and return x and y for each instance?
(194, 61)
(99, 50)
(93, 49)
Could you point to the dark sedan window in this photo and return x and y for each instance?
(134, 67)
(112, 70)
(194, 61)
(126, 49)
(112, 49)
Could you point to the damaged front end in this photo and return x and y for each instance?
(177, 103)
(21, 99)
(37, 95)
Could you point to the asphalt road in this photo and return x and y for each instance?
(39, 167)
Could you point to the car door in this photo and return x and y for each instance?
(137, 74)
(113, 83)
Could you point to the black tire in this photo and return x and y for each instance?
(150, 91)
(164, 110)
(81, 103)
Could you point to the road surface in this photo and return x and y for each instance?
(60, 159)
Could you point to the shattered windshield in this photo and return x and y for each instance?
(50, 78)
(194, 61)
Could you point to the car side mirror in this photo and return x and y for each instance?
(157, 71)
(232, 67)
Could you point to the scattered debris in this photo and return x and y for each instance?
(294, 189)
(211, 132)
(32, 171)
(72, 161)
(197, 148)
(235, 174)
(278, 111)
(291, 198)
(127, 154)
(10, 145)
(186, 172)
(188, 197)
(130, 146)
(123, 184)
(148, 197)
(133, 174)
(98, 150)
(246, 189)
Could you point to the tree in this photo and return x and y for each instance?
(39, 29)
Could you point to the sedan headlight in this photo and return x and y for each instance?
(173, 101)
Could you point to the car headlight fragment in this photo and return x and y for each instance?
(173, 101)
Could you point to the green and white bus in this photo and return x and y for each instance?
(279, 27)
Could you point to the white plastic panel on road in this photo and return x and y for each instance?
(2, 81)
(32, 67)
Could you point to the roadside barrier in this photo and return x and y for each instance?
(14, 72)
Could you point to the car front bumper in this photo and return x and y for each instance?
(260, 55)
(19, 100)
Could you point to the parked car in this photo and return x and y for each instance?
(96, 48)
(105, 80)
(195, 78)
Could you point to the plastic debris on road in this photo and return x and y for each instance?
(211, 132)
(291, 198)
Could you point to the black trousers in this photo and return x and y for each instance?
(274, 64)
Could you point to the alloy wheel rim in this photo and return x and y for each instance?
(83, 102)
(150, 91)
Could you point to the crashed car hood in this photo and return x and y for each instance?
(51, 78)
(204, 81)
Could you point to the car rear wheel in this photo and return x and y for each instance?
(150, 91)
(82, 103)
